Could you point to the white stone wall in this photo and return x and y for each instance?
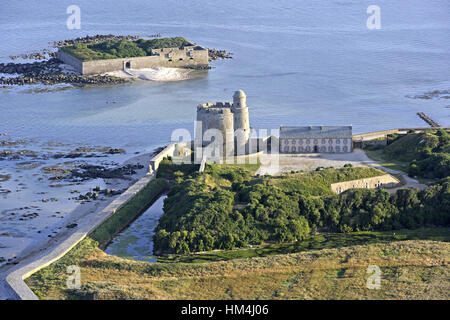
(169, 57)
(327, 145)
(384, 181)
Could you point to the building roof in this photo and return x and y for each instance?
(316, 132)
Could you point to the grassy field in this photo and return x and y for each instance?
(317, 183)
(379, 156)
(412, 269)
(384, 160)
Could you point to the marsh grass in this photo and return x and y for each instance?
(413, 269)
(328, 267)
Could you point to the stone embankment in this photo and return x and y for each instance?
(50, 72)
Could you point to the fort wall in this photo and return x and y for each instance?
(71, 60)
(167, 57)
(383, 181)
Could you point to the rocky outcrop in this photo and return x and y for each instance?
(215, 54)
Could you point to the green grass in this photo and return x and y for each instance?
(250, 167)
(383, 160)
(130, 211)
(317, 183)
(167, 169)
(314, 242)
(379, 156)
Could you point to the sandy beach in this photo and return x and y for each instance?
(154, 74)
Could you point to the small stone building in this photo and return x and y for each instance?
(316, 139)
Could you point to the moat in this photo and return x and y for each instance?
(136, 240)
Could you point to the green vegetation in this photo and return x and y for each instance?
(130, 211)
(425, 154)
(168, 170)
(113, 49)
(313, 242)
(227, 207)
(54, 276)
(317, 183)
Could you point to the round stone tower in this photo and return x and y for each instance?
(219, 117)
(241, 120)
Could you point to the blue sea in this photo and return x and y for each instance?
(300, 63)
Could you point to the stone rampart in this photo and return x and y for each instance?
(383, 181)
(168, 57)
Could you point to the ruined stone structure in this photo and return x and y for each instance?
(383, 181)
(310, 139)
(189, 56)
(230, 119)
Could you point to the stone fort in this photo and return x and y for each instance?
(230, 119)
(229, 122)
(188, 56)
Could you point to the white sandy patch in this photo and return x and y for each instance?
(154, 74)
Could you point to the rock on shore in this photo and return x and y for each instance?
(50, 72)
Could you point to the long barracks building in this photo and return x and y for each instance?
(321, 139)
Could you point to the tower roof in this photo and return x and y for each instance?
(239, 94)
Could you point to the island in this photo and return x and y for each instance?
(92, 60)
(114, 55)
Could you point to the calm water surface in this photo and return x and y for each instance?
(136, 241)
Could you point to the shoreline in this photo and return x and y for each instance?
(86, 216)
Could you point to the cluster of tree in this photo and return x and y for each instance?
(428, 153)
(225, 208)
(368, 210)
(200, 215)
(119, 48)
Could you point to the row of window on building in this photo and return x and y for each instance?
(295, 149)
(315, 141)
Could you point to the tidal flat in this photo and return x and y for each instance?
(42, 183)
